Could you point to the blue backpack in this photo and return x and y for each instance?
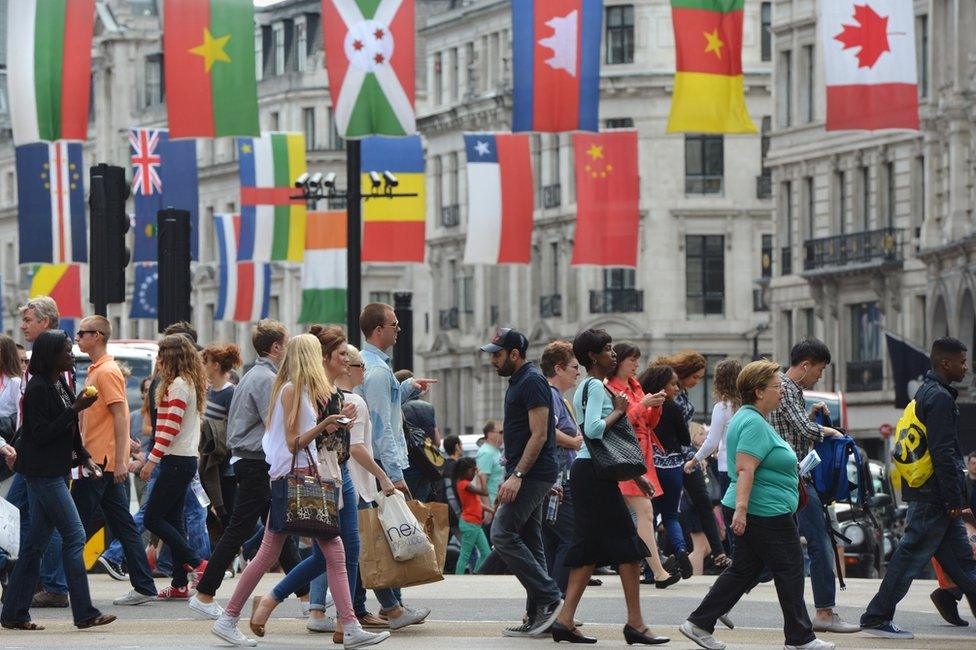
(830, 476)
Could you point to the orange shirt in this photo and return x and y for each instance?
(97, 423)
(471, 508)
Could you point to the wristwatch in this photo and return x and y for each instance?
(518, 474)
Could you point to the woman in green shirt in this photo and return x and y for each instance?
(764, 494)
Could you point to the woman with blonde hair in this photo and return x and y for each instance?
(300, 386)
(181, 395)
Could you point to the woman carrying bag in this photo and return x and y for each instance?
(289, 447)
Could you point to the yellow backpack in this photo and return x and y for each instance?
(910, 450)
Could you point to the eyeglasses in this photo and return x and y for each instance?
(394, 324)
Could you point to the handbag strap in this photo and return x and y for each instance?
(586, 392)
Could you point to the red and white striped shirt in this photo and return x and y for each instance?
(177, 422)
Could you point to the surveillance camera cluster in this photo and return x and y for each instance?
(315, 182)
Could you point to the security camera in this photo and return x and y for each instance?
(316, 181)
(391, 180)
(330, 180)
(301, 181)
(374, 179)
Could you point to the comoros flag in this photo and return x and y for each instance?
(556, 64)
(245, 287)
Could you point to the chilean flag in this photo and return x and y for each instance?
(500, 199)
(556, 64)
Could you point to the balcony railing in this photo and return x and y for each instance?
(764, 185)
(616, 301)
(870, 247)
(450, 215)
(786, 260)
(759, 299)
(552, 196)
(864, 376)
(449, 318)
(551, 306)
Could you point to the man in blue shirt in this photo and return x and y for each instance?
(516, 532)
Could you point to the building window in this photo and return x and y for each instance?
(765, 31)
(554, 175)
(922, 47)
(620, 34)
(467, 293)
(438, 171)
(278, 35)
(809, 324)
(308, 126)
(619, 123)
(535, 145)
(864, 371)
(766, 261)
(274, 122)
(840, 194)
(453, 180)
(301, 45)
(385, 297)
(619, 278)
(705, 274)
(704, 164)
(919, 204)
(336, 143)
(785, 103)
(259, 54)
(554, 266)
(809, 65)
(889, 173)
(155, 89)
(455, 75)
(438, 78)
(470, 80)
(787, 208)
(865, 198)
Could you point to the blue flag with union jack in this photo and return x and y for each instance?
(164, 175)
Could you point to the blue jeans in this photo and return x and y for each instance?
(90, 493)
(418, 484)
(311, 570)
(820, 548)
(928, 531)
(195, 521)
(164, 512)
(388, 598)
(114, 551)
(52, 572)
(52, 508)
(672, 482)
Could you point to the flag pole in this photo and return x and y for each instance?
(354, 266)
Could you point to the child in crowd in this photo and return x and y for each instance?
(472, 514)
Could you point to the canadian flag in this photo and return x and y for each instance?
(869, 64)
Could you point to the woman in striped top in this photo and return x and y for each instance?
(181, 394)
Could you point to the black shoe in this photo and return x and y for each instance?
(664, 584)
(562, 633)
(670, 564)
(685, 563)
(545, 617)
(594, 582)
(632, 636)
(947, 606)
(113, 569)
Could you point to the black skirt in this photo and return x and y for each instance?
(604, 532)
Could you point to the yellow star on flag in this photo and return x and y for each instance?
(595, 152)
(715, 43)
(212, 49)
(246, 148)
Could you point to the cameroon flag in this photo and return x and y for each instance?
(708, 88)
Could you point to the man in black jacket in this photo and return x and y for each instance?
(934, 525)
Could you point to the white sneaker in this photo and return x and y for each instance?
(816, 644)
(701, 637)
(133, 598)
(328, 599)
(226, 629)
(324, 624)
(354, 636)
(408, 617)
(210, 610)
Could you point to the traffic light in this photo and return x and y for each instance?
(173, 253)
(108, 191)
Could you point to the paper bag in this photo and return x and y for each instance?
(10, 528)
(376, 564)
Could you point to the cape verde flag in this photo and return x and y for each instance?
(500, 199)
(245, 287)
(51, 208)
(164, 175)
(556, 63)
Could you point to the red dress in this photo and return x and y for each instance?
(643, 420)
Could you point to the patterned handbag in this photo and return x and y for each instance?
(304, 504)
(616, 456)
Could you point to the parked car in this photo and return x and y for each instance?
(836, 403)
(863, 521)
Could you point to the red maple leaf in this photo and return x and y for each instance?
(870, 34)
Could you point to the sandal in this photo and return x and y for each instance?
(101, 619)
(24, 625)
(722, 561)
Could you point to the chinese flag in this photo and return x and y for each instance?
(607, 198)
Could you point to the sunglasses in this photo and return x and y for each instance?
(83, 332)
(355, 365)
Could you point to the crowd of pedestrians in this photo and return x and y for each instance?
(534, 500)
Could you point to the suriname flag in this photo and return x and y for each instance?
(369, 54)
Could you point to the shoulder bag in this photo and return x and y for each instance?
(304, 504)
(616, 456)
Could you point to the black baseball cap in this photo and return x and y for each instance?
(507, 338)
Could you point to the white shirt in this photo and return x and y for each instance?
(361, 433)
(9, 396)
(276, 450)
(721, 415)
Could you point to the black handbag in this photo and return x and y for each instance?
(616, 456)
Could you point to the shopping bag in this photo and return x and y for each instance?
(376, 564)
(401, 529)
(9, 528)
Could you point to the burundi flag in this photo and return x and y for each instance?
(369, 57)
(211, 85)
(62, 282)
(394, 229)
(49, 44)
(708, 84)
(272, 222)
(51, 206)
(324, 269)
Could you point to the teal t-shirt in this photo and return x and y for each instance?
(489, 460)
(775, 488)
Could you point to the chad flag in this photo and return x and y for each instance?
(708, 87)
(394, 229)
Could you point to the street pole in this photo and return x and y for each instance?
(354, 266)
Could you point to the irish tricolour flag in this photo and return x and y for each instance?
(369, 55)
(324, 270)
(49, 68)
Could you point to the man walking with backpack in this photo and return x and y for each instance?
(808, 359)
(938, 503)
